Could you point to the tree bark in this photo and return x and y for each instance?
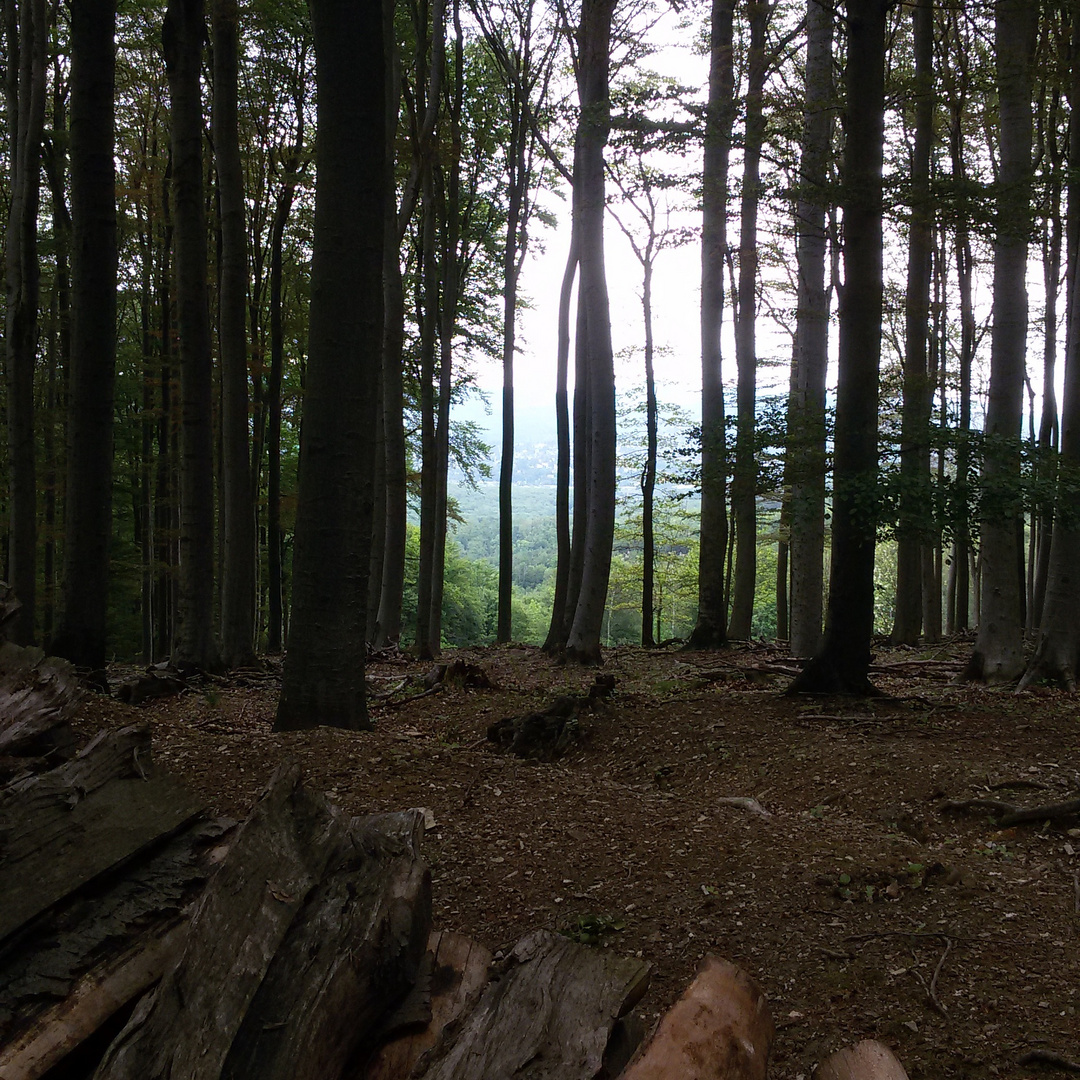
(744, 480)
(195, 641)
(594, 41)
(998, 653)
(27, 33)
(913, 529)
(82, 634)
(842, 663)
(710, 629)
(805, 462)
(323, 681)
(238, 506)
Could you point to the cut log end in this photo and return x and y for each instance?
(868, 1060)
(720, 1027)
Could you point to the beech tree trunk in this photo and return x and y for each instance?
(710, 629)
(998, 655)
(82, 634)
(805, 461)
(27, 33)
(238, 506)
(913, 529)
(323, 679)
(843, 661)
(1057, 655)
(744, 481)
(195, 641)
(598, 362)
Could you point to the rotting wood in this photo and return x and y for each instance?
(61, 829)
(309, 931)
(548, 1015)
(867, 1060)
(548, 733)
(1011, 813)
(83, 939)
(59, 1029)
(38, 694)
(457, 974)
(720, 1027)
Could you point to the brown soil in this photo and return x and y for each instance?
(850, 903)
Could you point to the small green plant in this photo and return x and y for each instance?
(592, 929)
(992, 849)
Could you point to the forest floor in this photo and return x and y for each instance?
(861, 906)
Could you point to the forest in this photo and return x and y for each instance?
(255, 252)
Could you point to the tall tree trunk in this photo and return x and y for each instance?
(82, 635)
(710, 629)
(913, 530)
(744, 481)
(843, 661)
(323, 681)
(238, 505)
(998, 654)
(27, 32)
(513, 249)
(274, 535)
(166, 509)
(1045, 461)
(648, 474)
(594, 42)
(451, 280)
(195, 641)
(1057, 655)
(805, 460)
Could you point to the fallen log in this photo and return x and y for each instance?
(455, 974)
(312, 929)
(548, 1015)
(58, 1030)
(61, 829)
(868, 1060)
(721, 1027)
(38, 694)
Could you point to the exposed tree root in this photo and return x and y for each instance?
(1049, 1059)
(821, 675)
(1011, 813)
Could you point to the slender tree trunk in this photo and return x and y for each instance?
(710, 628)
(805, 460)
(323, 681)
(27, 32)
(195, 641)
(998, 654)
(238, 505)
(744, 482)
(648, 475)
(1057, 654)
(842, 663)
(166, 519)
(556, 636)
(913, 529)
(517, 183)
(451, 278)
(594, 40)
